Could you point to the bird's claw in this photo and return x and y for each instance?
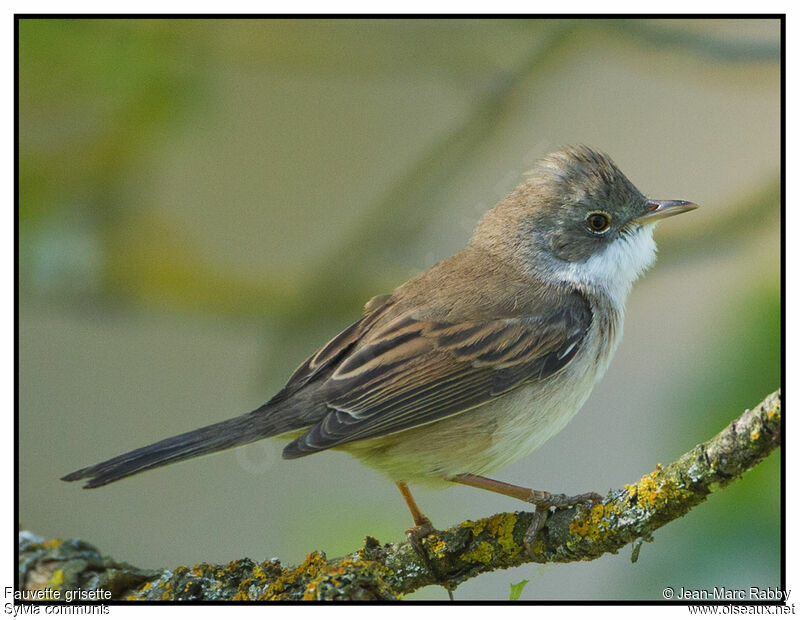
(547, 503)
(415, 537)
(417, 534)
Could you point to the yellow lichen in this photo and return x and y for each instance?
(592, 522)
(331, 577)
(439, 548)
(482, 554)
(141, 592)
(310, 593)
(654, 491)
(771, 414)
(243, 592)
(309, 569)
(538, 546)
(501, 527)
(57, 579)
(476, 527)
(52, 544)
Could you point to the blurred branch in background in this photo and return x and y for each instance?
(388, 225)
(141, 257)
(628, 515)
(411, 203)
(740, 222)
(647, 33)
(95, 98)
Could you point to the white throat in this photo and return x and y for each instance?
(617, 267)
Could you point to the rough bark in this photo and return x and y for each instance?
(388, 571)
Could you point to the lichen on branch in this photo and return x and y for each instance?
(385, 572)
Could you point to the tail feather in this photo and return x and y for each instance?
(220, 436)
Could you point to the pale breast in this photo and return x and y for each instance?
(500, 432)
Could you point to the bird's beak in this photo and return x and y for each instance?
(655, 210)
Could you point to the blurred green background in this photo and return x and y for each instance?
(203, 202)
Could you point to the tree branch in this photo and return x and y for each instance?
(387, 571)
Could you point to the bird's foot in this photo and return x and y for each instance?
(545, 503)
(416, 535)
(421, 530)
(542, 500)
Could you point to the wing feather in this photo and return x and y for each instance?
(328, 356)
(407, 372)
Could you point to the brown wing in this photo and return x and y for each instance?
(410, 372)
(326, 358)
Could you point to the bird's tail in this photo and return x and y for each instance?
(237, 431)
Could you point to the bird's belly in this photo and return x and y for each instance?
(483, 439)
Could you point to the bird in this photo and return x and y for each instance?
(475, 362)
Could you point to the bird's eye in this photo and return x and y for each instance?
(598, 221)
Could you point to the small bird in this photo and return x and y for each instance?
(477, 361)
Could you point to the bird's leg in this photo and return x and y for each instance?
(422, 528)
(422, 524)
(542, 500)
